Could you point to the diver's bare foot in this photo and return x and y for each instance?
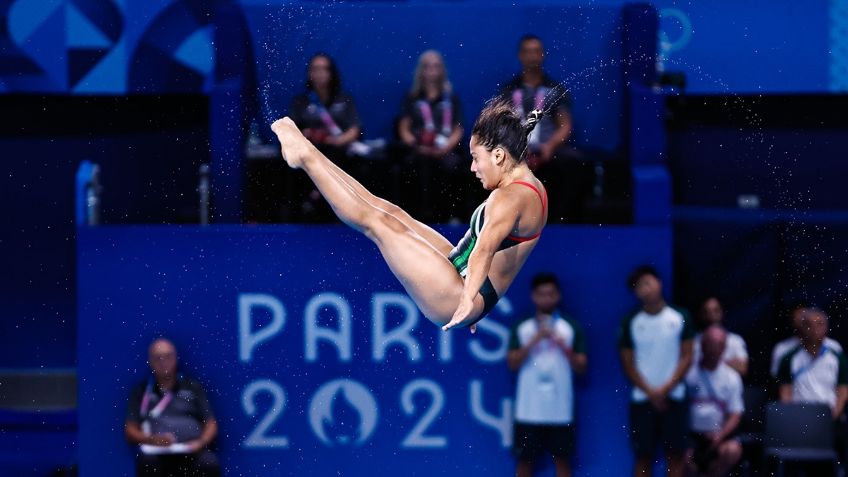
(293, 145)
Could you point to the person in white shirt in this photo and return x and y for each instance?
(791, 343)
(735, 352)
(716, 406)
(655, 344)
(545, 349)
(813, 371)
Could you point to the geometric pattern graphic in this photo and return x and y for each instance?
(83, 46)
(93, 28)
(175, 51)
(29, 32)
(838, 16)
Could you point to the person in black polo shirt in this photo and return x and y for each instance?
(327, 116)
(430, 128)
(557, 164)
(171, 421)
(655, 343)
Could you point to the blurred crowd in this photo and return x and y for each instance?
(424, 169)
(689, 398)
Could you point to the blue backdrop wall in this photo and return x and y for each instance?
(116, 46)
(309, 348)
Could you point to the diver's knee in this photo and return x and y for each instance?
(379, 225)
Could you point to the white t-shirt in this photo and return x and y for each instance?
(714, 396)
(787, 345)
(734, 349)
(656, 340)
(544, 391)
(813, 378)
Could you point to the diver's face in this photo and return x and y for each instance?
(484, 163)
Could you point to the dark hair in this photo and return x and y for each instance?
(543, 279)
(640, 272)
(335, 78)
(500, 126)
(527, 37)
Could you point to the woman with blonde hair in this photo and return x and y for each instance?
(430, 128)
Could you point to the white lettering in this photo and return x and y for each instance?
(446, 345)
(340, 338)
(259, 438)
(500, 332)
(502, 423)
(249, 340)
(416, 437)
(400, 335)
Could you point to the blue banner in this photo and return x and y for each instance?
(315, 360)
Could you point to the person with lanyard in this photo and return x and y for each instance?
(716, 407)
(430, 128)
(545, 349)
(170, 420)
(328, 118)
(814, 372)
(549, 156)
(797, 321)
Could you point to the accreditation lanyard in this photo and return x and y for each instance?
(518, 99)
(427, 116)
(713, 397)
(810, 365)
(325, 116)
(159, 408)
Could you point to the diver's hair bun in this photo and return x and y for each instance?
(533, 118)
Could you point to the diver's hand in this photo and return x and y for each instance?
(462, 314)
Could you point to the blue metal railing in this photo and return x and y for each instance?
(87, 193)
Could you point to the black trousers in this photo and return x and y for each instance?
(200, 464)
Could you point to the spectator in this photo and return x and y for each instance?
(655, 342)
(170, 419)
(735, 351)
(327, 116)
(813, 371)
(716, 407)
(782, 348)
(545, 349)
(430, 126)
(555, 163)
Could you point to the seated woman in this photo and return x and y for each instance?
(328, 118)
(430, 127)
(452, 286)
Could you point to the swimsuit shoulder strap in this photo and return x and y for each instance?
(542, 197)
